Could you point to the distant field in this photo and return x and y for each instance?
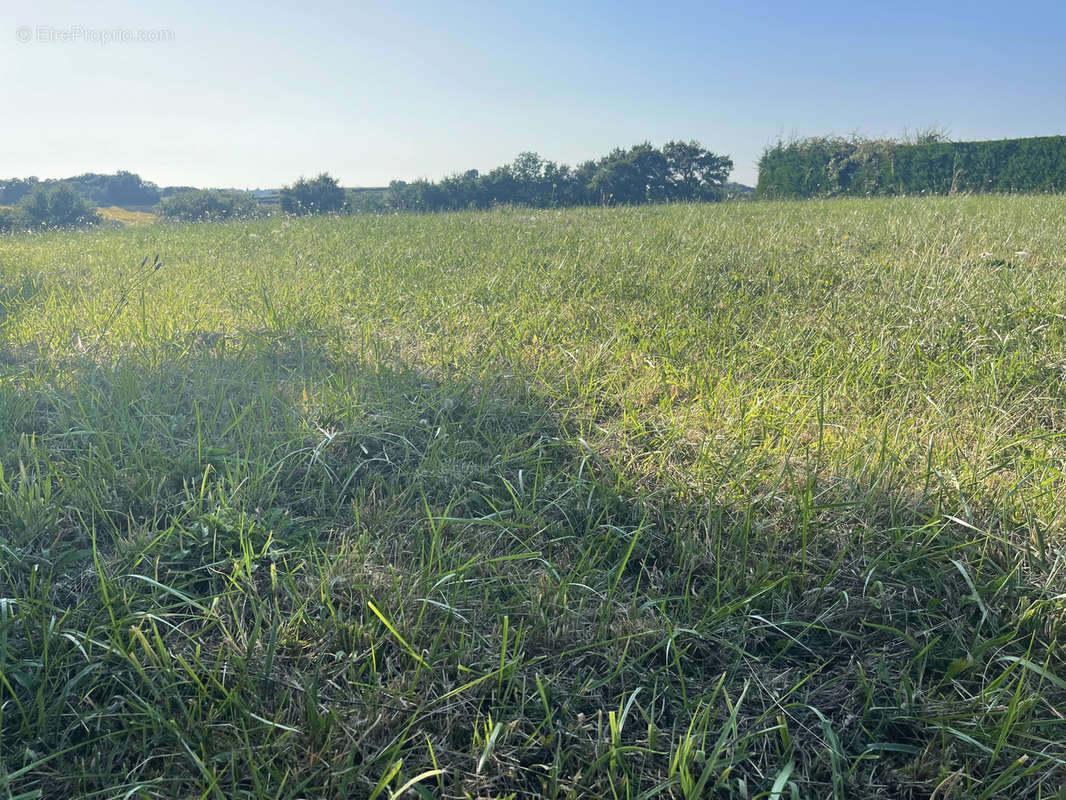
(758, 500)
(127, 216)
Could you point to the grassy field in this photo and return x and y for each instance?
(126, 216)
(749, 500)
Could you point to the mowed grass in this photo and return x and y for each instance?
(756, 501)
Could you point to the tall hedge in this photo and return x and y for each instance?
(833, 166)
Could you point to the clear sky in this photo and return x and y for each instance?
(256, 94)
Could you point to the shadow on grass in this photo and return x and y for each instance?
(249, 565)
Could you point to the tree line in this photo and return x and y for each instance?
(48, 206)
(34, 204)
(679, 171)
(120, 189)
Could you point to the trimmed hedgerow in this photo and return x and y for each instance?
(831, 166)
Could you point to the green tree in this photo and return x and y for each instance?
(499, 187)
(461, 190)
(637, 175)
(366, 201)
(128, 189)
(535, 178)
(322, 195)
(397, 198)
(14, 189)
(58, 206)
(695, 173)
(11, 219)
(640, 174)
(120, 189)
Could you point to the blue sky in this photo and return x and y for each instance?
(254, 94)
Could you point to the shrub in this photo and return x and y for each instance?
(207, 204)
(322, 195)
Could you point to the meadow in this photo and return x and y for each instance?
(747, 500)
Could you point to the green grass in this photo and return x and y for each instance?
(756, 501)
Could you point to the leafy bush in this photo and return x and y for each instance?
(207, 204)
(801, 168)
(58, 206)
(322, 195)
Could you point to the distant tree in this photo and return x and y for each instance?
(540, 182)
(580, 190)
(14, 189)
(34, 207)
(366, 201)
(429, 195)
(559, 182)
(637, 175)
(66, 209)
(532, 176)
(651, 164)
(167, 191)
(210, 204)
(612, 175)
(460, 191)
(498, 187)
(58, 206)
(128, 189)
(11, 219)
(322, 195)
(396, 196)
(120, 189)
(695, 173)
